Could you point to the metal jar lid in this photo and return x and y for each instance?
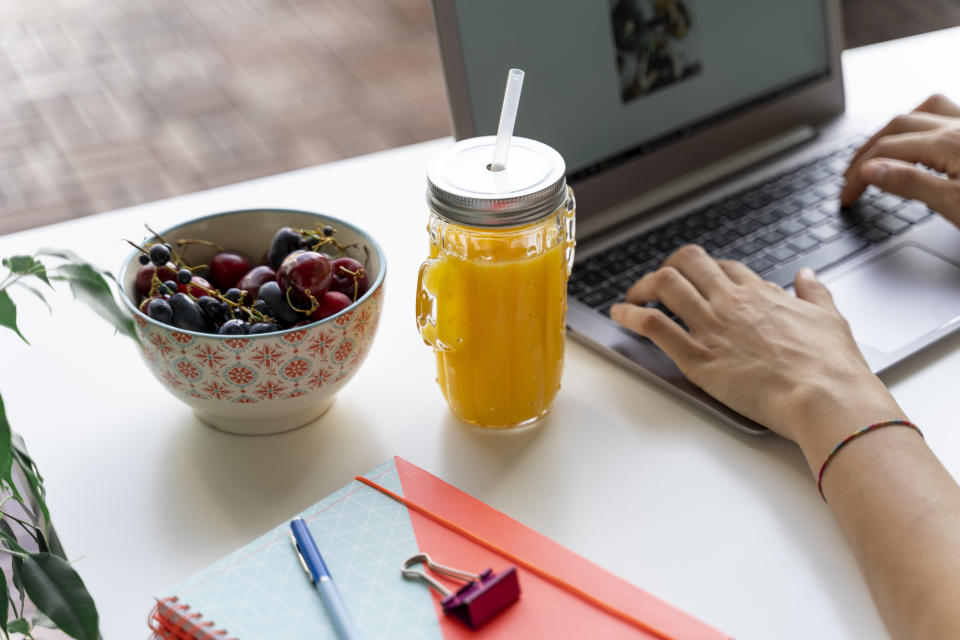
(463, 190)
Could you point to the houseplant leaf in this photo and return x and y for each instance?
(8, 314)
(27, 266)
(89, 286)
(57, 590)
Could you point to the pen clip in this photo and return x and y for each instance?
(303, 563)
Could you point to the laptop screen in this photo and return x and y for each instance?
(608, 80)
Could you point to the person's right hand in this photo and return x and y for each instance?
(929, 135)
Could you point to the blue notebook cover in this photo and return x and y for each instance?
(262, 591)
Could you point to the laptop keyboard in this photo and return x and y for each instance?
(791, 221)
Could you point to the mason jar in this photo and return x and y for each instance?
(492, 295)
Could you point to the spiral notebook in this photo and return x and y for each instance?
(365, 532)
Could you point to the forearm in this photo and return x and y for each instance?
(899, 510)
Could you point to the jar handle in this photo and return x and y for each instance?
(571, 228)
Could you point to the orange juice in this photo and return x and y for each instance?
(500, 309)
(492, 296)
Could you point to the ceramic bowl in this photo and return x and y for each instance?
(266, 383)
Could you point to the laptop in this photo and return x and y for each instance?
(716, 123)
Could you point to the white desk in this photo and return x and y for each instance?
(725, 526)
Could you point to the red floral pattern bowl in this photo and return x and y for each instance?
(266, 383)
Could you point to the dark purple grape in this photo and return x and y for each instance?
(159, 254)
(171, 286)
(214, 310)
(277, 306)
(160, 310)
(184, 276)
(144, 259)
(234, 295)
(264, 327)
(186, 313)
(234, 327)
(328, 231)
(284, 242)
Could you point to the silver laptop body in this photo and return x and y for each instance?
(667, 107)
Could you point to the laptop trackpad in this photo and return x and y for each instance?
(898, 298)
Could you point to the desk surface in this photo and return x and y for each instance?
(725, 526)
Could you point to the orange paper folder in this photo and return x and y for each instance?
(365, 532)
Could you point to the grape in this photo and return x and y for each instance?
(171, 286)
(307, 272)
(234, 295)
(160, 310)
(186, 313)
(214, 310)
(284, 242)
(254, 279)
(276, 303)
(234, 328)
(264, 327)
(159, 254)
(145, 275)
(144, 259)
(184, 276)
(328, 231)
(227, 268)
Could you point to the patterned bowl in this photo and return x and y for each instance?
(266, 383)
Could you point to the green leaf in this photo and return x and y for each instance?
(27, 266)
(34, 479)
(37, 293)
(4, 600)
(57, 590)
(17, 570)
(40, 620)
(20, 625)
(8, 314)
(89, 286)
(6, 451)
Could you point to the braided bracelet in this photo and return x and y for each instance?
(853, 436)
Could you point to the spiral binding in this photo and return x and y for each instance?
(173, 620)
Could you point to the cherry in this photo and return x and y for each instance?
(349, 277)
(307, 272)
(256, 278)
(145, 276)
(332, 302)
(197, 287)
(227, 268)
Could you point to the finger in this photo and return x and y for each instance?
(679, 345)
(808, 287)
(927, 148)
(906, 180)
(908, 123)
(940, 104)
(738, 272)
(669, 286)
(699, 268)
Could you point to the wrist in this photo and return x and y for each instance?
(823, 415)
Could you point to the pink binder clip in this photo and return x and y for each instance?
(482, 597)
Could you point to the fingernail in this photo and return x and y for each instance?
(807, 272)
(874, 172)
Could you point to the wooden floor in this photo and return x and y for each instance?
(109, 103)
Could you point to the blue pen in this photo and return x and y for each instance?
(313, 564)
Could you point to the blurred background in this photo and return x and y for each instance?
(110, 103)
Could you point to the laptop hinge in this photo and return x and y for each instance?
(689, 183)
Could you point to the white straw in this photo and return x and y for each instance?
(508, 118)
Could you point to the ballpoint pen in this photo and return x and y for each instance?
(316, 569)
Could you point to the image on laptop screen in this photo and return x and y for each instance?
(610, 79)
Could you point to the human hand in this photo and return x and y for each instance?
(789, 363)
(929, 135)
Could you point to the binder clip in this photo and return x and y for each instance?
(482, 597)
